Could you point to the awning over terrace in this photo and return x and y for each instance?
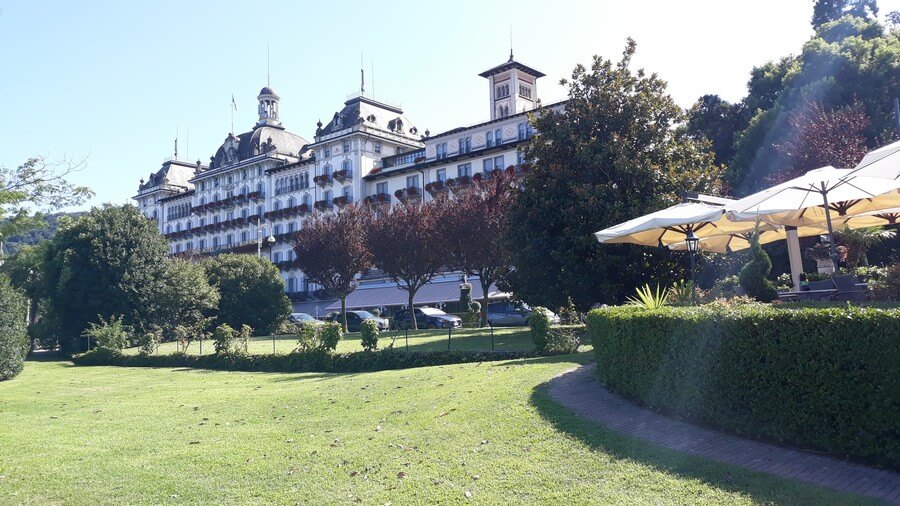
(390, 295)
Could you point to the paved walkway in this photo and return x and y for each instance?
(579, 391)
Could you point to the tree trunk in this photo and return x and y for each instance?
(485, 286)
(344, 312)
(412, 311)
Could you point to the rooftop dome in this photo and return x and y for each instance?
(267, 91)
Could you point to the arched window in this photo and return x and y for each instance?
(215, 197)
(292, 202)
(327, 170)
(276, 206)
(259, 211)
(277, 257)
(188, 227)
(178, 227)
(168, 229)
(306, 198)
(259, 188)
(346, 165)
(202, 200)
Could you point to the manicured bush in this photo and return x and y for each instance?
(331, 334)
(315, 360)
(753, 275)
(307, 337)
(539, 322)
(12, 330)
(149, 340)
(824, 378)
(368, 330)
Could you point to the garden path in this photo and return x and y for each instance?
(579, 391)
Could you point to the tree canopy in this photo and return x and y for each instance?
(611, 156)
(251, 292)
(331, 251)
(851, 61)
(111, 261)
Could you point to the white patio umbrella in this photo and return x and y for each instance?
(813, 197)
(675, 224)
(883, 162)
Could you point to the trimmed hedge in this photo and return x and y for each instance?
(821, 378)
(12, 330)
(306, 361)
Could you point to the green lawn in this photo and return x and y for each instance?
(88, 435)
(517, 338)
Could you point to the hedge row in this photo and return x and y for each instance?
(12, 330)
(308, 361)
(821, 378)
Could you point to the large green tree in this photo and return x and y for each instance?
(612, 155)
(717, 121)
(251, 292)
(108, 262)
(850, 61)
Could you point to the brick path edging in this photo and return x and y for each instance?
(579, 391)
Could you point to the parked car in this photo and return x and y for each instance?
(355, 319)
(509, 314)
(426, 318)
(303, 319)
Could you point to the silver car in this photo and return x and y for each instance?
(511, 314)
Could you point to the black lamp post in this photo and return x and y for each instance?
(693, 246)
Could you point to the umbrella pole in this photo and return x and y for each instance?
(832, 248)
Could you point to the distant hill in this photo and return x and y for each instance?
(12, 244)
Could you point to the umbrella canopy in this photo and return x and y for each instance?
(728, 243)
(813, 197)
(816, 197)
(870, 219)
(883, 162)
(672, 225)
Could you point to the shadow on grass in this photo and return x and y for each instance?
(49, 356)
(759, 486)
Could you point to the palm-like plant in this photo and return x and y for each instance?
(647, 298)
(861, 239)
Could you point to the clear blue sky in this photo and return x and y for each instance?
(111, 80)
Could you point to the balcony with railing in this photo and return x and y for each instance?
(403, 159)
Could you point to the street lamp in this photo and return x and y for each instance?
(693, 246)
(271, 242)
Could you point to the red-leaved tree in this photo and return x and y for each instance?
(407, 244)
(332, 250)
(823, 137)
(475, 221)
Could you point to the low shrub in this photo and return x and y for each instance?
(12, 330)
(316, 360)
(539, 323)
(148, 341)
(223, 339)
(825, 378)
(332, 333)
(110, 334)
(368, 330)
(307, 338)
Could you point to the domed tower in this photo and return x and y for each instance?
(268, 108)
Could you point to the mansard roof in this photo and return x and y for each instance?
(367, 111)
(262, 139)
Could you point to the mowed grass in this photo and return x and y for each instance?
(476, 433)
(515, 338)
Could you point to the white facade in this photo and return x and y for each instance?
(262, 184)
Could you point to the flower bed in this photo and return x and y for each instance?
(821, 378)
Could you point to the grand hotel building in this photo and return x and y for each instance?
(259, 186)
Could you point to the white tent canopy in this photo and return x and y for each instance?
(672, 224)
